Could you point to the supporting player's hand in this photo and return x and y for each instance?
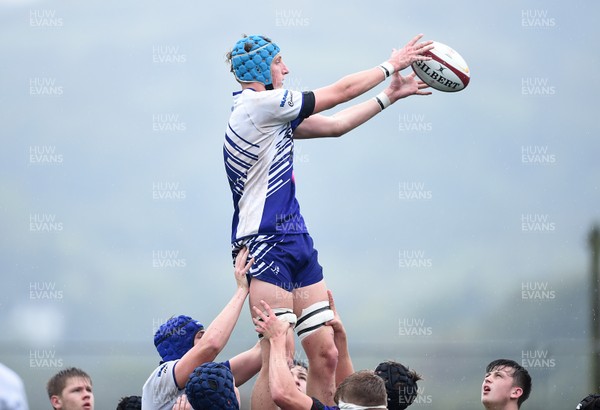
(411, 52)
(344, 366)
(242, 266)
(182, 403)
(267, 324)
(336, 322)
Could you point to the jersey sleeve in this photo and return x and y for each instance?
(280, 106)
(308, 106)
(160, 390)
(317, 405)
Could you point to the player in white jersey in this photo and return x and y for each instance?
(12, 390)
(184, 344)
(258, 156)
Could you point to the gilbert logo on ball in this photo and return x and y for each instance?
(446, 71)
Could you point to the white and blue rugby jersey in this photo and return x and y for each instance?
(258, 155)
(160, 391)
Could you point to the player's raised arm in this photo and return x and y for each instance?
(354, 85)
(321, 126)
(344, 366)
(284, 391)
(218, 332)
(245, 365)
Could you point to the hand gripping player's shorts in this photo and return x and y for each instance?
(287, 261)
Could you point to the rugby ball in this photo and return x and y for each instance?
(446, 71)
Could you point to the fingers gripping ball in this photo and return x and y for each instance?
(211, 387)
(251, 59)
(446, 71)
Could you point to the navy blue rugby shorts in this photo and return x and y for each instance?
(287, 261)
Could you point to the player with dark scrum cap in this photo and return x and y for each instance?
(589, 402)
(400, 384)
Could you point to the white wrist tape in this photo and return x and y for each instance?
(383, 100)
(387, 68)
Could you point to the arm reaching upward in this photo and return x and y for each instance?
(284, 391)
(318, 126)
(354, 85)
(217, 334)
(344, 367)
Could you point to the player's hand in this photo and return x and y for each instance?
(267, 324)
(182, 403)
(411, 52)
(242, 266)
(336, 322)
(403, 86)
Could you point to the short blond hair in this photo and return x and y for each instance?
(363, 388)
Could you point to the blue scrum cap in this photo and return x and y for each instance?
(251, 59)
(175, 337)
(210, 387)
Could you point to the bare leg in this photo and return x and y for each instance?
(276, 298)
(319, 347)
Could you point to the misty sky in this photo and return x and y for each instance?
(430, 219)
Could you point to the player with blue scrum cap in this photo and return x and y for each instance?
(258, 156)
(251, 60)
(183, 344)
(212, 387)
